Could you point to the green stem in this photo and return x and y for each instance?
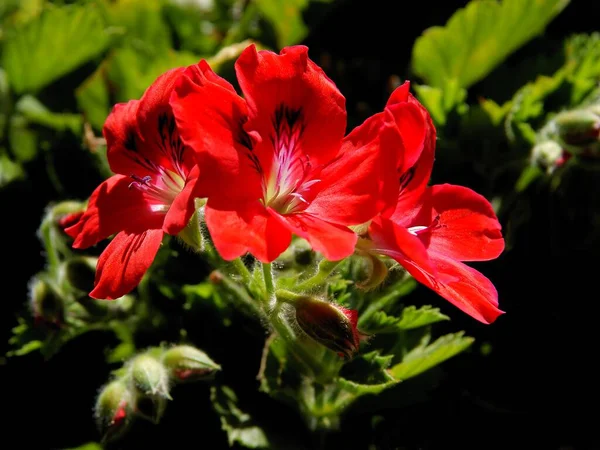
(242, 270)
(51, 253)
(268, 279)
(241, 293)
(318, 279)
(285, 296)
(284, 330)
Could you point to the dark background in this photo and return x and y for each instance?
(536, 389)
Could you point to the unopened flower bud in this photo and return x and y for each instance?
(79, 272)
(578, 130)
(329, 324)
(374, 270)
(113, 409)
(151, 380)
(187, 363)
(46, 304)
(150, 376)
(548, 155)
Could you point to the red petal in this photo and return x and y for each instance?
(183, 207)
(113, 207)
(122, 139)
(413, 180)
(407, 249)
(161, 141)
(413, 128)
(248, 228)
(356, 186)
(335, 242)
(124, 262)
(291, 90)
(469, 291)
(400, 94)
(210, 118)
(468, 227)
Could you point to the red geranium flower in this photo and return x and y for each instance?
(277, 162)
(432, 229)
(153, 192)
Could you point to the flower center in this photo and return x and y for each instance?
(420, 229)
(161, 191)
(287, 185)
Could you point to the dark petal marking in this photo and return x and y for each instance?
(170, 141)
(407, 177)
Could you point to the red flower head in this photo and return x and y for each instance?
(278, 162)
(432, 229)
(153, 192)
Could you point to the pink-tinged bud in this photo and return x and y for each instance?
(151, 381)
(46, 304)
(113, 409)
(329, 324)
(578, 130)
(548, 155)
(187, 363)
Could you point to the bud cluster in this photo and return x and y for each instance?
(571, 133)
(143, 386)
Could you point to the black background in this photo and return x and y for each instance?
(537, 388)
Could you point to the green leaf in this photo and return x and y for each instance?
(9, 170)
(36, 113)
(53, 44)
(126, 348)
(479, 37)
(143, 25)
(583, 61)
(413, 317)
(238, 425)
(93, 98)
(88, 446)
(286, 19)
(23, 140)
(424, 356)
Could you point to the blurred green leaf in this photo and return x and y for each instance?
(238, 425)
(479, 37)
(439, 102)
(425, 355)
(36, 113)
(93, 98)
(23, 141)
(53, 44)
(286, 19)
(9, 170)
(583, 64)
(142, 23)
(88, 446)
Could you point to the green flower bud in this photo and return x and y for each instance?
(374, 269)
(151, 381)
(329, 324)
(578, 130)
(187, 363)
(113, 409)
(47, 306)
(548, 155)
(149, 376)
(79, 272)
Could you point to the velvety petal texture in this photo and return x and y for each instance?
(153, 192)
(430, 230)
(276, 161)
(124, 262)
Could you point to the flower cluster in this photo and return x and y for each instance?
(276, 162)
